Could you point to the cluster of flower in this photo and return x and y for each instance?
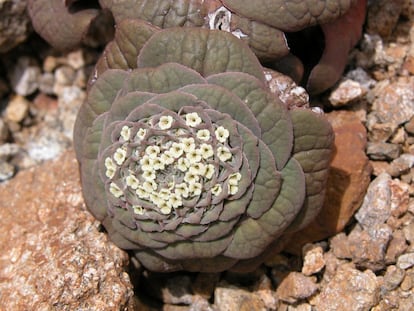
(186, 161)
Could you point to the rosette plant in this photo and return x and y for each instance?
(187, 158)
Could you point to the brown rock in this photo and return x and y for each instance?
(349, 289)
(53, 254)
(296, 286)
(347, 183)
(396, 247)
(368, 247)
(313, 260)
(231, 298)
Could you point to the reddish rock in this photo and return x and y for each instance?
(295, 287)
(313, 260)
(347, 183)
(349, 289)
(53, 255)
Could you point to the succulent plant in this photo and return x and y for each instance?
(187, 158)
(263, 24)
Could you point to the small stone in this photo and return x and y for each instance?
(6, 170)
(295, 287)
(379, 167)
(405, 261)
(376, 208)
(64, 77)
(231, 298)
(24, 76)
(346, 92)
(396, 247)
(349, 289)
(401, 165)
(300, 307)
(393, 277)
(340, 246)
(17, 109)
(368, 248)
(75, 59)
(400, 196)
(313, 260)
(46, 83)
(394, 102)
(399, 137)
(383, 151)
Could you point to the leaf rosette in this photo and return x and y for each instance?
(187, 158)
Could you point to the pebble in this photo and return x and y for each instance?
(349, 289)
(393, 277)
(24, 76)
(17, 109)
(396, 247)
(313, 260)
(295, 287)
(346, 92)
(376, 208)
(405, 261)
(46, 83)
(394, 102)
(383, 151)
(234, 298)
(401, 165)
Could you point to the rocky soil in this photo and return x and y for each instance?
(357, 255)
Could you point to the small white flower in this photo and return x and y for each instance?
(191, 178)
(141, 133)
(139, 210)
(183, 164)
(233, 189)
(195, 188)
(110, 173)
(142, 193)
(165, 122)
(148, 175)
(158, 164)
(175, 200)
(198, 168)
(166, 158)
(109, 163)
(132, 181)
(149, 186)
(164, 194)
(234, 179)
(188, 144)
(165, 208)
(222, 134)
(194, 156)
(126, 132)
(156, 199)
(115, 190)
(210, 170)
(216, 189)
(181, 190)
(192, 119)
(152, 151)
(120, 155)
(146, 163)
(224, 153)
(206, 151)
(176, 150)
(203, 134)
